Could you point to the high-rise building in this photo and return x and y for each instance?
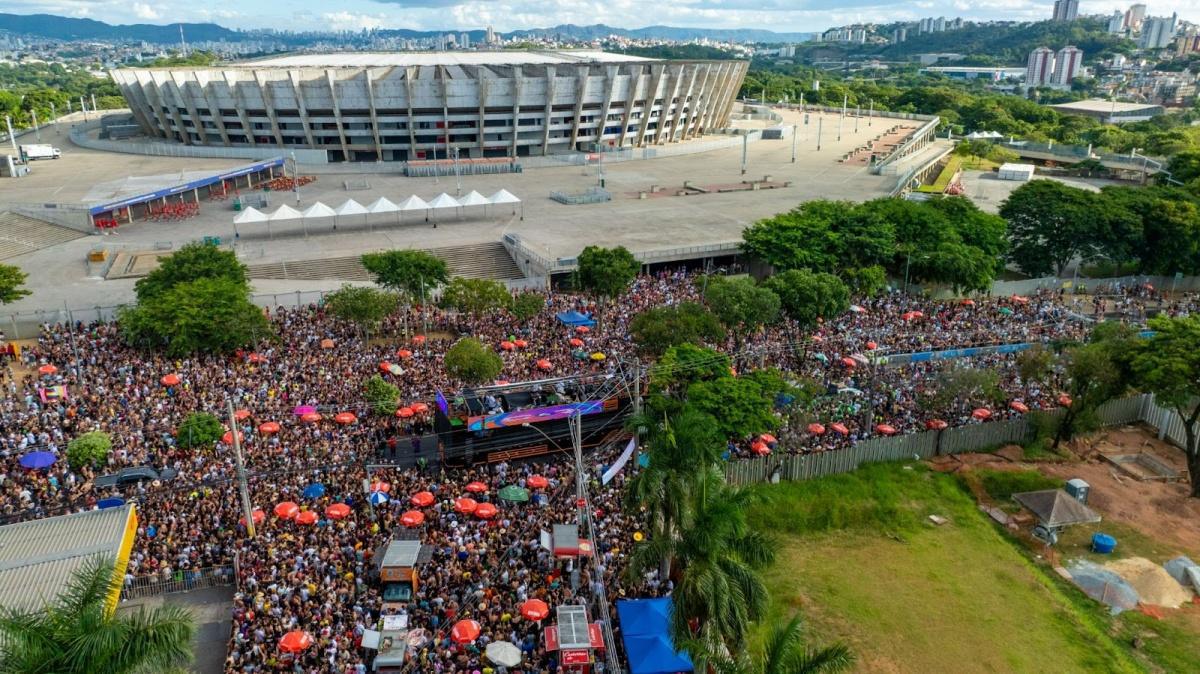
(1067, 66)
(1066, 10)
(490, 37)
(1157, 32)
(464, 41)
(1039, 67)
(939, 24)
(899, 35)
(1135, 16)
(925, 26)
(1116, 23)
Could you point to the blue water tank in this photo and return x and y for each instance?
(1103, 543)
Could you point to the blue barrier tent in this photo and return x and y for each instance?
(574, 318)
(647, 644)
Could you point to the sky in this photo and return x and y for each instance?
(506, 15)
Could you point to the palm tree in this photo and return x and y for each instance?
(784, 653)
(77, 634)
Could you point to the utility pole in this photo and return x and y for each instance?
(243, 490)
(11, 138)
(74, 349)
(457, 175)
(795, 130)
(819, 122)
(94, 108)
(54, 117)
(295, 176)
(37, 131)
(871, 113)
(745, 147)
(857, 114)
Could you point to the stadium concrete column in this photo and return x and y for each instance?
(301, 107)
(182, 92)
(657, 70)
(670, 115)
(268, 95)
(684, 97)
(581, 80)
(337, 114)
(444, 136)
(518, 88)
(203, 82)
(235, 92)
(610, 87)
(159, 106)
(410, 72)
(368, 81)
(696, 105)
(481, 95)
(635, 83)
(550, 89)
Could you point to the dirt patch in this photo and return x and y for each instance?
(1161, 511)
(1153, 584)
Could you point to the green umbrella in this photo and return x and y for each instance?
(514, 493)
(580, 354)
(1006, 311)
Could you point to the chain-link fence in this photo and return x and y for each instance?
(180, 581)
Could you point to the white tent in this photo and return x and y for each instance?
(351, 207)
(443, 200)
(503, 196)
(413, 203)
(474, 198)
(384, 205)
(248, 216)
(285, 212)
(317, 210)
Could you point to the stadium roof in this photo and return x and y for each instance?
(445, 58)
(1101, 106)
(38, 557)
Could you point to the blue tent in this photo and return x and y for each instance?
(574, 318)
(647, 644)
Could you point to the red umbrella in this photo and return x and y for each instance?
(507, 345)
(345, 418)
(170, 380)
(257, 515)
(404, 354)
(381, 486)
(544, 364)
(816, 429)
(767, 438)
(817, 338)
(326, 343)
(310, 417)
(1018, 407)
(464, 631)
(268, 428)
(228, 437)
(1064, 400)
(418, 339)
(886, 429)
(412, 518)
(337, 511)
(537, 482)
(404, 412)
(1020, 300)
(477, 487)
(936, 425)
(241, 415)
(307, 518)
(520, 343)
(849, 362)
(485, 511)
(583, 329)
(576, 342)
(465, 505)
(385, 366)
(295, 642)
(47, 370)
(968, 303)
(840, 428)
(256, 358)
(419, 407)
(907, 316)
(982, 414)
(286, 510)
(918, 314)
(871, 346)
(422, 499)
(760, 448)
(535, 610)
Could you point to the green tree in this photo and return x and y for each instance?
(475, 296)
(1171, 240)
(680, 367)
(472, 362)
(364, 306)
(606, 272)
(1049, 224)
(527, 305)
(828, 236)
(739, 404)
(199, 429)
(206, 315)
(381, 394)
(78, 632)
(1168, 365)
(90, 449)
(410, 272)
(1185, 166)
(741, 305)
(961, 388)
(190, 263)
(1035, 365)
(11, 280)
(806, 296)
(784, 652)
(866, 281)
(657, 329)
(1094, 376)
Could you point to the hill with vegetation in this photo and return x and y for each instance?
(1010, 44)
(70, 28)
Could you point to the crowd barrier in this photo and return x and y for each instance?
(181, 581)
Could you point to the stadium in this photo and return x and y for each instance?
(364, 107)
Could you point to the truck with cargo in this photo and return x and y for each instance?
(32, 152)
(397, 568)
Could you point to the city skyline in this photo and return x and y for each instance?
(510, 15)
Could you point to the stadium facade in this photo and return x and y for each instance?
(413, 106)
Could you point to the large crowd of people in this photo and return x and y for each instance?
(317, 577)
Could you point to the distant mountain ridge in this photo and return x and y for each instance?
(69, 28)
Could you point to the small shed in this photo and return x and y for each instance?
(1018, 172)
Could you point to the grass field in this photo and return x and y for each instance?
(862, 563)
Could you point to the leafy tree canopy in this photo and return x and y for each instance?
(90, 449)
(206, 315)
(657, 329)
(741, 304)
(1049, 224)
(606, 272)
(527, 305)
(382, 395)
(472, 362)
(364, 306)
(1168, 365)
(806, 296)
(411, 272)
(11, 280)
(192, 262)
(199, 429)
(475, 295)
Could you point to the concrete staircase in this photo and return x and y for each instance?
(20, 234)
(478, 260)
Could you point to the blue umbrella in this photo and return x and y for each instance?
(378, 498)
(314, 490)
(112, 502)
(38, 460)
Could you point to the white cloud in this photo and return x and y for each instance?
(143, 11)
(352, 21)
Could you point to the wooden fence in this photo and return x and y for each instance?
(957, 440)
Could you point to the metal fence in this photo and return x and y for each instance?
(79, 136)
(1027, 286)
(926, 444)
(180, 581)
(593, 195)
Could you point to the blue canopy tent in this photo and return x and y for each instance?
(574, 318)
(647, 644)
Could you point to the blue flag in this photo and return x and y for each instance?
(442, 404)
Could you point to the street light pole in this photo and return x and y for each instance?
(295, 178)
(243, 490)
(745, 147)
(795, 130)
